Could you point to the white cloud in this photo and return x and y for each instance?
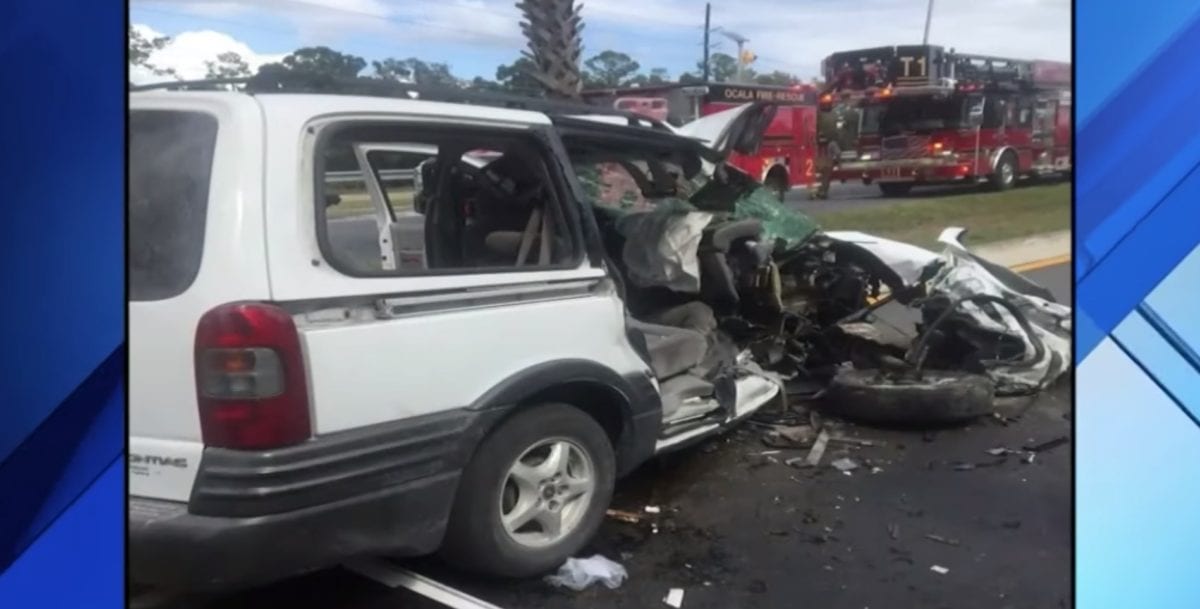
(187, 53)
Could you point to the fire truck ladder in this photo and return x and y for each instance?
(989, 72)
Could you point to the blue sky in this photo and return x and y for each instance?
(474, 36)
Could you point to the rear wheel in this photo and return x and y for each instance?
(534, 493)
(895, 189)
(1005, 176)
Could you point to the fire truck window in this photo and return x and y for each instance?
(917, 114)
(870, 119)
(994, 112)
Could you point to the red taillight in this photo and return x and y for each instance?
(250, 383)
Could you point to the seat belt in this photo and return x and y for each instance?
(527, 236)
(547, 236)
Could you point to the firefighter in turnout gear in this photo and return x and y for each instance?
(837, 128)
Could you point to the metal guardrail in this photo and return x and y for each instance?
(387, 175)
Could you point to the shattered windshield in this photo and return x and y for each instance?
(915, 114)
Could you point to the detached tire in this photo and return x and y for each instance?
(513, 474)
(941, 397)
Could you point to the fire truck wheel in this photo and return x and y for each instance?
(895, 189)
(1005, 176)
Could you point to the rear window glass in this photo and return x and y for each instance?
(170, 162)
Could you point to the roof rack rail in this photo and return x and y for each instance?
(300, 83)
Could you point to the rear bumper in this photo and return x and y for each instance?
(908, 170)
(259, 516)
(172, 548)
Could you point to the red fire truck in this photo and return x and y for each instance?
(926, 115)
(788, 150)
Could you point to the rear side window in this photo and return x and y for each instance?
(170, 163)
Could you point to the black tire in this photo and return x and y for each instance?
(895, 189)
(1005, 176)
(941, 397)
(475, 538)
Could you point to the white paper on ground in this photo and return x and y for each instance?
(674, 597)
(579, 573)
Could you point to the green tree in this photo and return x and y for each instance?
(415, 70)
(315, 68)
(610, 69)
(722, 68)
(776, 78)
(480, 83)
(227, 65)
(518, 77)
(141, 48)
(657, 76)
(318, 61)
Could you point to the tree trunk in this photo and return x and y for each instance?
(552, 29)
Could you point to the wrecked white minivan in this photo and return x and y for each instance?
(364, 325)
(321, 369)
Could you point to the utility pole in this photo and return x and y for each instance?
(928, 18)
(707, 21)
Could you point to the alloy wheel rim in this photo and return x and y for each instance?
(546, 492)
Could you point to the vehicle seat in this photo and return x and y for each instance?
(672, 350)
(717, 285)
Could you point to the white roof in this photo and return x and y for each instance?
(311, 105)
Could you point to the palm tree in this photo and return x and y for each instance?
(552, 29)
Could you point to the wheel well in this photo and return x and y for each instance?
(778, 172)
(1006, 151)
(603, 403)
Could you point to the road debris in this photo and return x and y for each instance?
(579, 573)
(845, 465)
(855, 441)
(1001, 451)
(796, 436)
(943, 540)
(623, 516)
(818, 450)
(674, 597)
(894, 531)
(1047, 445)
(940, 570)
(1029, 457)
(393, 576)
(652, 509)
(759, 460)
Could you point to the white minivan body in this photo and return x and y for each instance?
(310, 382)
